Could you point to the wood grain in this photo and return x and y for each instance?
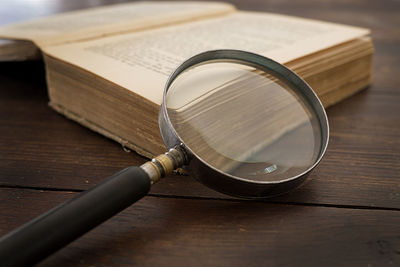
(57, 153)
(174, 232)
(346, 214)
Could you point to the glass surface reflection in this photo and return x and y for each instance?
(244, 122)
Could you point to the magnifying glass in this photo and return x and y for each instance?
(238, 122)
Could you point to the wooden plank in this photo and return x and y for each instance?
(42, 149)
(172, 232)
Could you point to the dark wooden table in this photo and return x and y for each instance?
(348, 214)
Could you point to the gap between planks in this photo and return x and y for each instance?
(339, 206)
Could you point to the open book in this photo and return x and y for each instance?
(107, 67)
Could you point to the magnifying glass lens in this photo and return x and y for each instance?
(244, 121)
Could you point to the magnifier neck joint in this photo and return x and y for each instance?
(164, 164)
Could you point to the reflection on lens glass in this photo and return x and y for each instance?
(244, 122)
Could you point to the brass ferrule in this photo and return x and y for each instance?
(164, 164)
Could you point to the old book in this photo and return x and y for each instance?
(109, 74)
(12, 50)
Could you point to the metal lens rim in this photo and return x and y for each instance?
(171, 137)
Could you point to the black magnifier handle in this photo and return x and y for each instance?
(61, 225)
(56, 228)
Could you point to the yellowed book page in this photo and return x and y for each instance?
(109, 20)
(142, 62)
